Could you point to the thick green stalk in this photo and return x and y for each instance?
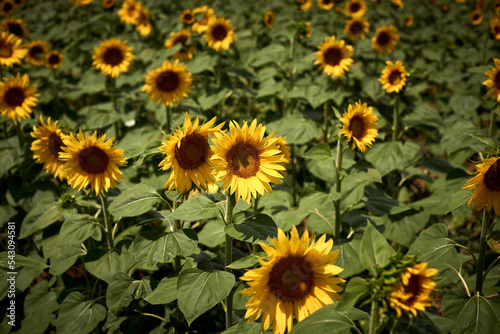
(338, 188)
(294, 175)
(177, 226)
(395, 120)
(375, 317)
(108, 229)
(326, 120)
(482, 252)
(168, 126)
(230, 203)
(21, 145)
(493, 119)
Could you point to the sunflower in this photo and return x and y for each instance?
(7, 7)
(246, 161)
(355, 8)
(11, 51)
(15, 27)
(112, 57)
(283, 146)
(325, 4)
(169, 83)
(480, 4)
(304, 29)
(295, 279)
(495, 27)
(81, 2)
(186, 51)
(188, 155)
(107, 4)
(19, 3)
(398, 4)
(17, 97)
(496, 6)
(476, 17)
(334, 57)
(54, 59)
(486, 185)
(360, 126)
(91, 161)
(219, 34)
(143, 23)
(411, 292)
(356, 28)
(46, 147)
(493, 81)
(206, 14)
(408, 20)
(36, 52)
(269, 19)
(303, 5)
(393, 76)
(187, 16)
(385, 39)
(129, 11)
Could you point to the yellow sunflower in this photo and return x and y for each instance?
(107, 4)
(187, 16)
(46, 147)
(476, 17)
(205, 13)
(91, 161)
(219, 34)
(81, 2)
(245, 161)
(385, 39)
(188, 156)
(11, 50)
(36, 52)
(54, 59)
(412, 291)
(496, 6)
(393, 76)
(181, 37)
(355, 8)
(269, 19)
(169, 83)
(495, 27)
(303, 5)
(325, 4)
(129, 11)
(112, 57)
(408, 20)
(17, 97)
(15, 27)
(334, 57)
(143, 23)
(493, 81)
(356, 28)
(486, 185)
(7, 7)
(283, 146)
(360, 126)
(296, 278)
(398, 3)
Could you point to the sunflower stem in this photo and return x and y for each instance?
(338, 188)
(168, 125)
(294, 175)
(21, 145)
(326, 120)
(482, 252)
(484, 47)
(493, 119)
(395, 119)
(375, 317)
(107, 220)
(230, 203)
(177, 226)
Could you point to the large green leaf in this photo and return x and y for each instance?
(349, 256)
(196, 208)
(319, 152)
(45, 213)
(78, 315)
(198, 291)
(39, 306)
(476, 314)
(254, 229)
(26, 268)
(135, 201)
(164, 293)
(244, 327)
(374, 251)
(123, 289)
(105, 264)
(356, 289)
(296, 128)
(209, 100)
(78, 228)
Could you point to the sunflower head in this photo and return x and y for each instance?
(496, 6)
(476, 17)
(486, 185)
(17, 97)
(54, 59)
(143, 23)
(408, 20)
(493, 82)
(398, 4)
(326, 4)
(296, 278)
(81, 2)
(112, 57)
(385, 39)
(15, 27)
(334, 57)
(303, 5)
(360, 126)
(129, 11)
(182, 38)
(219, 34)
(283, 146)
(304, 29)
(269, 19)
(203, 15)
(7, 7)
(36, 52)
(48, 144)
(355, 8)
(107, 4)
(188, 156)
(169, 83)
(411, 293)
(187, 17)
(495, 27)
(356, 28)
(11, 51)
(393, 76)
(91, 161)
(246, 161)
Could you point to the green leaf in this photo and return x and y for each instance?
(198, 291)
(459, 199)
(434, 246)
(150, 151)
(123, 289)
(379, 203)
(212, 233)
(485, 139)
(201, 63)
(10, 158)
(297, 129)
(64, 256)
(464, 104)
(164, 293)
(79, 316)
(44, 214)
(27, 269)
(374, 251)
(387, 157)
(78, 228)
(319, 152)
(349, 257)
(210, 100)
(476, 314)
(196, 208)
(39, 305)
(254, 229)
(135, 201)
(244, 327)
(247, 261)
(356, 289)
(105, 264)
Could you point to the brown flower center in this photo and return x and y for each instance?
(475, 17)
(354, 7)
(394, 77)
(333, 56)
(14, 97)
(193, 151)
(7, 7)
(414, 286)
(54, 59)
(36, 51)
(55, 144)
(219, 32)
(383, 38)
(356, 27)
(492, 177)
(5, 50)
(496, 81)
(182, 39)
(187, 18)
(243, 160)
(167, 81)
(93, 160)
(496, 29)
(357, 127)
(15, 29)
(113, 56)
(326, 2)
(291, 279)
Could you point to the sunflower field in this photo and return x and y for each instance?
(217, 166)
